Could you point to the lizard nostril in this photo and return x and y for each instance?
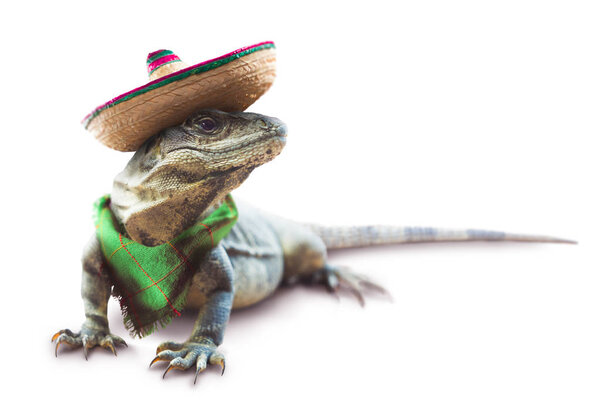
(282, 130)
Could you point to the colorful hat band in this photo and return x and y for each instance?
(159, 58)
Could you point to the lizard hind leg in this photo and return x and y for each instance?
(305, 261)
(337, 279)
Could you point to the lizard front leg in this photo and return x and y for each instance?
(216, 285)
(95, 291)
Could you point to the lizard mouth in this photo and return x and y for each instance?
(281, 130)
(278, 135)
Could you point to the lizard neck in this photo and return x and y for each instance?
(153, 216)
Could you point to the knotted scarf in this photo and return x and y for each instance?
(151, 283)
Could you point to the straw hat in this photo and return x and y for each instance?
(231, 82)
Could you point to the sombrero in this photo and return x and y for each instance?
(231, 82)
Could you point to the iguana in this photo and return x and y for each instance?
(179, 181)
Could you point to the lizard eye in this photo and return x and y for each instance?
(207, 124)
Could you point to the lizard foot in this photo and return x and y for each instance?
(87, 338)
(335, 278)
(183, 355)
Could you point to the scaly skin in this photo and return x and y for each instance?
(182, 175)
(175, 178)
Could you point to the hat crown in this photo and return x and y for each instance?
(163, 62)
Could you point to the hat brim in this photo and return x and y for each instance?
(229, 83)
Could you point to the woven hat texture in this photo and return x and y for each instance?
(229, 83)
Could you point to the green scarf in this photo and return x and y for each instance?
(151, 283)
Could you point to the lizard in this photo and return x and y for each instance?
(185, 173)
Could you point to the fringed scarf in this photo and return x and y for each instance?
(151, 283)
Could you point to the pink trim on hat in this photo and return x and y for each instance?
(163, 60)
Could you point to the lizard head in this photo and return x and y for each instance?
(185, 171)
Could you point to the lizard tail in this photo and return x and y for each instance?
(363, 236)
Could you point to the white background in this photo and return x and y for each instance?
(451, 114)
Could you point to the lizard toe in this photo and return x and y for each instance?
(87, 339)
(68, 337)
(169, 346)
(108, 344)
(168, 355)
(337, 279)
(218, 359)
(200, 354)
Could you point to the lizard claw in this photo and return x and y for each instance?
(187, 354)
(119, 341)
(57, 334)
(65, 336)
(168, 369)
(355, 290)
(107, 343)
(335, 279)
(87, 339)
(200, 365)
(84, 341)
(218, 358)
(155, 359)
